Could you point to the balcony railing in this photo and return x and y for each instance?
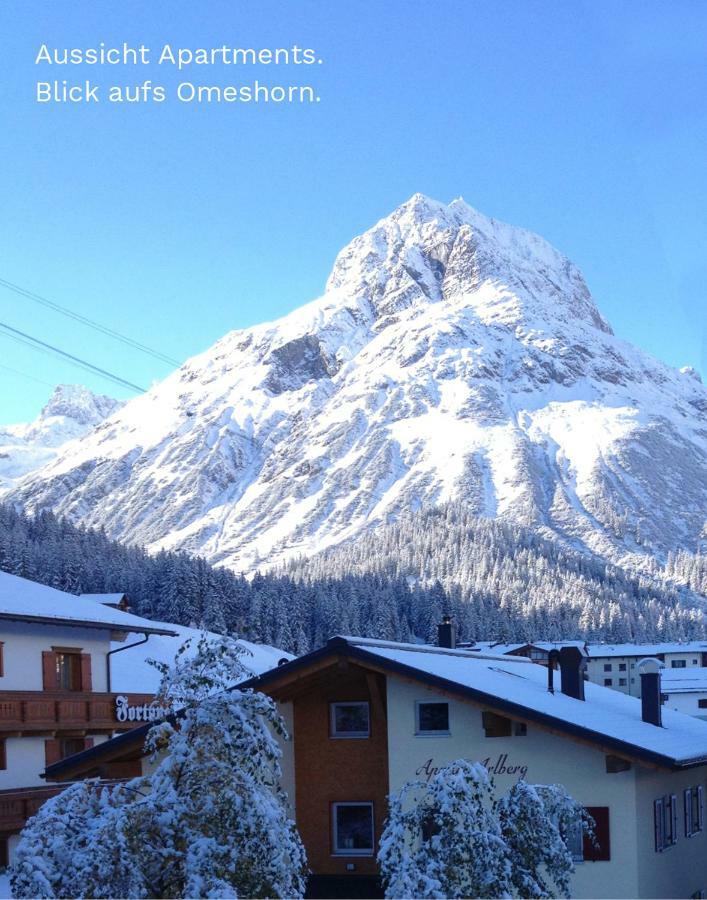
(18, 805)
(36, 712)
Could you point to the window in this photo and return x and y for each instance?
(68, 671)
(3, 754)
(573, 838)
(581, 846)
(349, 720)
(702, 704)
(665, 822)
(607, 667)
(4, 852)
(622, 682)
(608, 682)
(432, 717)
(694, 662)
(352, 829)
(622, 667)
(57, 749)
(678, 664)
(694, 814)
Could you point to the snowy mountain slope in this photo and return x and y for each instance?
(71, 412)
(451, 357)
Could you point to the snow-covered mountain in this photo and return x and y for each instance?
(70, 413)
(450, 357)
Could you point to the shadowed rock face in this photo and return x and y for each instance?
(452, 357)
(295, 363)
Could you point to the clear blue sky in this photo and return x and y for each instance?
(585, 121)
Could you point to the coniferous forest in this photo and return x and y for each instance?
(499, 582)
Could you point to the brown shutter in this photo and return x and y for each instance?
(49, 678)
(52, 752)
(86, 672)
(2, 658)
(602, 850)
(3, 754)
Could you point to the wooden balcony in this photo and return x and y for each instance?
(19, 804)
(64, 712)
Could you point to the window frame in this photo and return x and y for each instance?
(693, 801)
(419, 732)
(348, 735)
(351, 851)
(665, 822)
(74, 670)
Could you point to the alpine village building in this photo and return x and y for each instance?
(366, 716)
(56, 697)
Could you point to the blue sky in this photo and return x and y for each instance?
(585, 122)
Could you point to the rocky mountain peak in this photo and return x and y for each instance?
(76, 402)
(428, 252)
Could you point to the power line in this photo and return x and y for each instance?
(34, 342)
(90, 323)
(26, 375)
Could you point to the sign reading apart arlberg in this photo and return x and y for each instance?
(499, 766)
(146, 712)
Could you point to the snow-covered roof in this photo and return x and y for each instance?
(28, 601)
(594, 651)
(131, 672)
(517, 684)
(683, 681)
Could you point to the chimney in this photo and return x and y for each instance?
(572, 665)
(649, 670)
(447, 634)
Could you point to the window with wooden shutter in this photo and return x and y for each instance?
(50, 681)
(4, 852)
(599, 849)
(86, 684)
(3, 754)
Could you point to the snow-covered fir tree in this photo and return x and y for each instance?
(210, 820)
(498, 580)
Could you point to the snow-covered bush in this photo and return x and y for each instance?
(209, 821)
(539, 824)
(449, 838)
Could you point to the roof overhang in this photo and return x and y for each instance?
(84, 623)
(280, 681)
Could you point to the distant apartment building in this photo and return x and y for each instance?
(610, 665)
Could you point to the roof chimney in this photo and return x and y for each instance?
(572, 665)
(447, 633)
(649, 670)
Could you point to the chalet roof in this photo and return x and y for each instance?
(512, 685)
(22, 600)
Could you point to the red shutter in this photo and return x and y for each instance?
(52, 752)
(50, 681)
(602, 850)
(87, 743)
(86, 672)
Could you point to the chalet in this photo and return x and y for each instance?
(57, 653)
(366, 716)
